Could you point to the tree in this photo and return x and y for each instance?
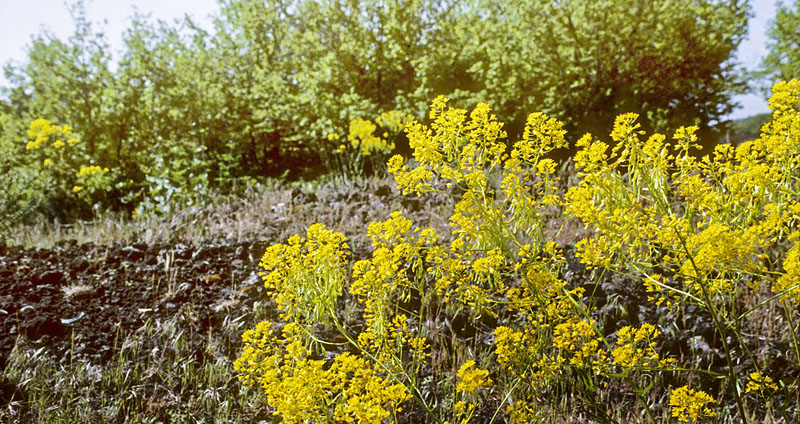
(585, 62)
(66, 81)
(783, 60)
(255, 69)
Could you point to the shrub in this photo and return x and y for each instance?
(364, 151)
(48, 174)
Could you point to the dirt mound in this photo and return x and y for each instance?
(89, 296)
(80, 298)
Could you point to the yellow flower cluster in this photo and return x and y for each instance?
(306, 276)
(304, 390)
(522, 412)
(788, 284)
(366, 397)
(470, 378)
(735, 202)
(688, 404)
(362, 138)
(394, 121)
(91, 177)
(636, 348)
(380, 282)
(699, 231)
(366, 147)
(554, 335)
(578, 342)
(758, 382)
(41, 131)
(56, 155)
(45, 140)
(90, 171)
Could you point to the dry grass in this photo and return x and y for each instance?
(74, 291)
(269, 212)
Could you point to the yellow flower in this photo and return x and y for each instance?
(759, 382)
(471, 378)
(77, 188)
(636, 347)
(489, 265)
(394, 121)
(89, 171)
(688, 404)
(58, 144)
(362, 137)
(47, 162)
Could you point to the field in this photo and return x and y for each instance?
(403, 211)
(140, 320)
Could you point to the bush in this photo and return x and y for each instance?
(262, 93)
(364, 152)
(48, 174)
(479, 324)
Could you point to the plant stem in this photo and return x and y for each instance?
(793, 330)
(413, 389)
(714, 316)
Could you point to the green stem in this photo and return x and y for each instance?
(640, 395)
(793, 330)
(714, 316)
(505, 398)
(764, 302)
(413, 389)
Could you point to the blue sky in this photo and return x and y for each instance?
(21, 19)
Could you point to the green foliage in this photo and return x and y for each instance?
(586, 62)
(747, 128)
(783, 60)
(186, 111)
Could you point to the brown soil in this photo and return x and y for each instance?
(87, 296)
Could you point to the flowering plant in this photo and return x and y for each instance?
(708, 233)
(364, 150)
(46, 174)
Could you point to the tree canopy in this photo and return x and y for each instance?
(783, 59)
(181, 109)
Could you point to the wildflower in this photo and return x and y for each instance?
(394, 121)
(90, 171)
(625, 126)
(759, 382)
(471, 378)
(636, 347)
(688, 404)
(362, 138)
